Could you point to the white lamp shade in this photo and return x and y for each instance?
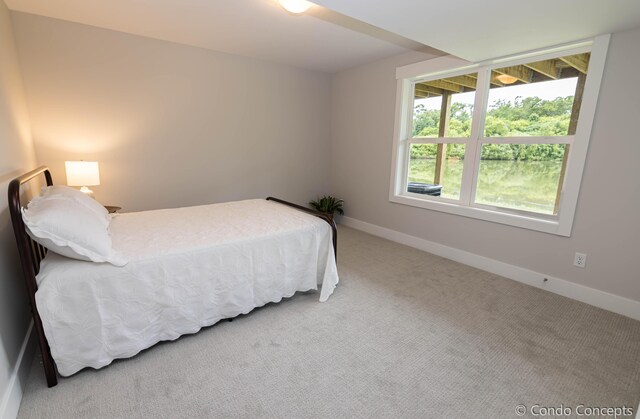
(295, 6)
(82, 173)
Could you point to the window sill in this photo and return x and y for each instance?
(530, 222)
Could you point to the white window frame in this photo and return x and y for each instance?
(407, 76)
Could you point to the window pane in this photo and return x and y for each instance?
(520, 176)
(442, 108)
(431, 175)
(536, 99)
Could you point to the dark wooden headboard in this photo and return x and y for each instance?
(31, 254)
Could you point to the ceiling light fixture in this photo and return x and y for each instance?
(295, 6)
(506, 79)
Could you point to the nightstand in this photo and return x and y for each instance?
(112, 209)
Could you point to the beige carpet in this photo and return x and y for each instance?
(406, 334)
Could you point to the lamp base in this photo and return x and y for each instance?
(87, 192)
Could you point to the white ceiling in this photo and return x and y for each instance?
(479, 30)
(336, 37)
(321, 40)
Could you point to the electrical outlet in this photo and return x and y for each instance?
(580, 260)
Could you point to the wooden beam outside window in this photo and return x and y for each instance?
(520, 72)
(580, 62)
(423, 88)
(445, 85)
(573, 124)
(548, 67)
(466, 81)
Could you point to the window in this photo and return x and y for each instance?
(503, 140)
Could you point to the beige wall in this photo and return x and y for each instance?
(607, 223)
(172, 125)
(16, 157)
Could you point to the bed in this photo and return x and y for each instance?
(187, 268)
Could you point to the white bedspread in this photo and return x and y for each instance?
(188, 268)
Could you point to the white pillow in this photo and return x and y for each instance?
(71, 229)
(59, 191)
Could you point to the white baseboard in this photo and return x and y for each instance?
(13, 394)
(592, 296)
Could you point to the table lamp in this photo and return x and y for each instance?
(83, 174)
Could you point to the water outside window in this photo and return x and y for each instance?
(527, 181)
(422, 167)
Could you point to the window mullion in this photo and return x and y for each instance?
(405, 143)
(565, 139)
(409, 115)
(477, 127)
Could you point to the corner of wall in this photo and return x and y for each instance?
(17, 155)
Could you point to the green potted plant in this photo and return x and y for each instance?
(329, 205)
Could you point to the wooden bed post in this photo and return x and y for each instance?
(31, 253)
